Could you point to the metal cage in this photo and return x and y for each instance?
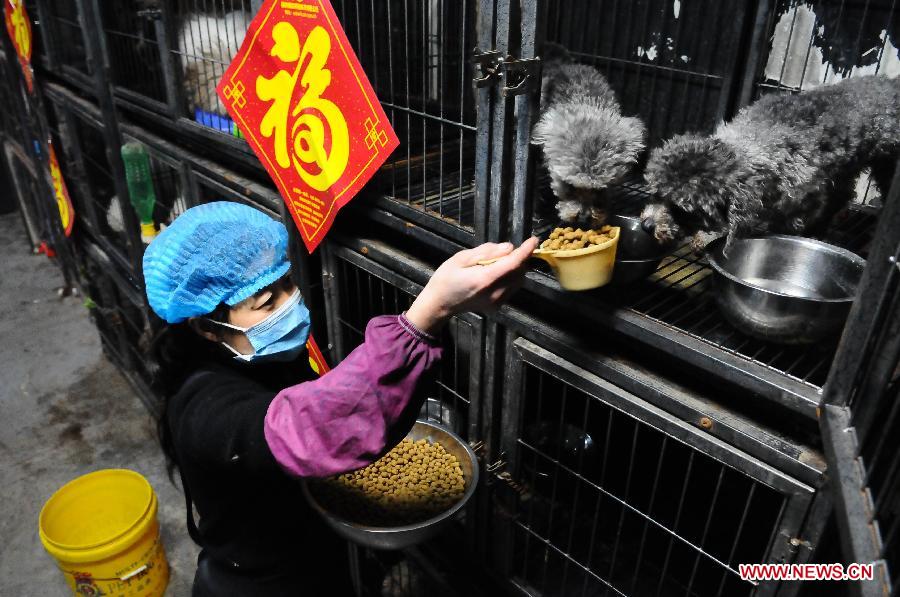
(558, 519)
(753, 496)
(418, 57)
(859, 418)
(120, 313)
(82, 150)
(13, 120)
(24, 184)
(688, 83)
(609, 495)
(62, 27)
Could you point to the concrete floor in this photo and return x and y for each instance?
(65, 411)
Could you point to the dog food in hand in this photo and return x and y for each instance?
(413, 482)
(567, 239)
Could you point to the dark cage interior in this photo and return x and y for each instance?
(64, 30)
(416, 55)
(131, 28)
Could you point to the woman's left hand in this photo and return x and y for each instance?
(460, 284)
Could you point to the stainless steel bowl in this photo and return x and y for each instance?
(404, 536)
(785, 289)
(638, 254)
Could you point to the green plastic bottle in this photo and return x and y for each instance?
(140, 186)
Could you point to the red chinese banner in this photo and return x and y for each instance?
(61, 193)
(300, 97)
(18, 26)
(316, 360)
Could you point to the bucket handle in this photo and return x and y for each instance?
(134, 573)
(128, 576)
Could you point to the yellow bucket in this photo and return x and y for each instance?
(102, 530)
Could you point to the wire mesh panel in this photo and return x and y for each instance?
(879, 453)
(64, 26)
(11, 118)
(207, 36)
(130, 28)
(94, 183)
(672, 63)
(612, 497)
(68, 155)
(120, 314)
(417, 56)
(362, 289)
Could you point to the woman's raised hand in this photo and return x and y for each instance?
(460, 284)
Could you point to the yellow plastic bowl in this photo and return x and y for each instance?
(583, 269)
(102, 530)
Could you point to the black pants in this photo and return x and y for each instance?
(305, 579)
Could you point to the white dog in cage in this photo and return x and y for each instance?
(207, 44)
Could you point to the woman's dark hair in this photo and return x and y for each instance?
(176, 351)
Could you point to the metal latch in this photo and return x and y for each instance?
(488, 64)
(520, 75)
(497, 471)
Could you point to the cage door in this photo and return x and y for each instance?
(601, 493)
(861, 418)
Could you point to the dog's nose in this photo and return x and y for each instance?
(648, 225)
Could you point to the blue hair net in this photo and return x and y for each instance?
(214, 253)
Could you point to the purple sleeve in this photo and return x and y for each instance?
(342, 421)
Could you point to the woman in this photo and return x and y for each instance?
(246, 416)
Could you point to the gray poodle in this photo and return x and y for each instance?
(786, 164)
(588, 143)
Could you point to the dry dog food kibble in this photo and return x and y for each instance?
(566, 239)
(411, 483)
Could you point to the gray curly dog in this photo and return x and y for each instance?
(786, 164)
(588, 144)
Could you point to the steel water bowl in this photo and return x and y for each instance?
(404, 536)
(785, 289)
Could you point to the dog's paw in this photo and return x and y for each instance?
(700, 241)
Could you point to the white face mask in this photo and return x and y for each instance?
(279, 337)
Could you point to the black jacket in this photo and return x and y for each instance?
(253, 518)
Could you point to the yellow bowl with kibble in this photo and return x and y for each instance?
(405, 497)
(581, 259)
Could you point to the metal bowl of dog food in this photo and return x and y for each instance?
(638, 255)
(785, 289)
(400, 537)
